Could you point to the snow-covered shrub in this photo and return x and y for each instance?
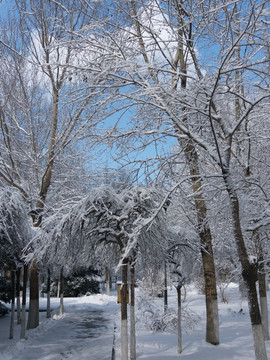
(199, 285)
(151, 315)
(152, 283)
(223, 296)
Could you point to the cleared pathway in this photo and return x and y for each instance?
(81, 334)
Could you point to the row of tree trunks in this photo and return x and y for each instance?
(21, 311)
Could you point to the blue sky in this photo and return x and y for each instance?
(5, 5)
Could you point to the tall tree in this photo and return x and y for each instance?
(39, 118)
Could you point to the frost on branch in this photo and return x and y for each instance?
(15, 229)
(106, 220)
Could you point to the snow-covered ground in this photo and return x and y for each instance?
(85, 331)
(87, 328)
(236, 342)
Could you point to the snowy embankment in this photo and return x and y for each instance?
(85, 331)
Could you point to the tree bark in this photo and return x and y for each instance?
(212, 321)
(13, 289)
(263, 301)
(33, 316)
(18, 297)
(107, 280)
(61, 280)
(23, 322)
(48, 314)
(132, 315)
(124, 329)
(179, 316)
(165, 288)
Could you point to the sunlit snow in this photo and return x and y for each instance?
(86, 331)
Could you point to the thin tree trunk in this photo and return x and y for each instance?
(124, 328)
(249, 273)
(165, 288)
(13, 289)
(23, 322)
(18, 297)
(48, 293)
(179, 316)
(262, 284)
(61, 280)
(132, 314)
(263, 302)
(33, 316)
(58, 288)
(107, 279)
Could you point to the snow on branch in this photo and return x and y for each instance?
(104, 217)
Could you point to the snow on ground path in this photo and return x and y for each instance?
(84, 332)
(76, 336)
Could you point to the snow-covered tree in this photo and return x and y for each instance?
(129, 223)
(15, 234)
(15, 228)
(42, 115)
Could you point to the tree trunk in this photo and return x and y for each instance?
(61, 280)
(107, 280)
(249, 272)
(132, 315)
(212, 321)
(48, 293)
(23, 322)
(124, 329)
(165, 288)
(33, 316)
(18, 298)
(13, 289)
(263, 302)
(179, 315)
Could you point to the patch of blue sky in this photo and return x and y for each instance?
(5, 7)
(134, 150)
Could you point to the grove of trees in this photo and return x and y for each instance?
(139, 129)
